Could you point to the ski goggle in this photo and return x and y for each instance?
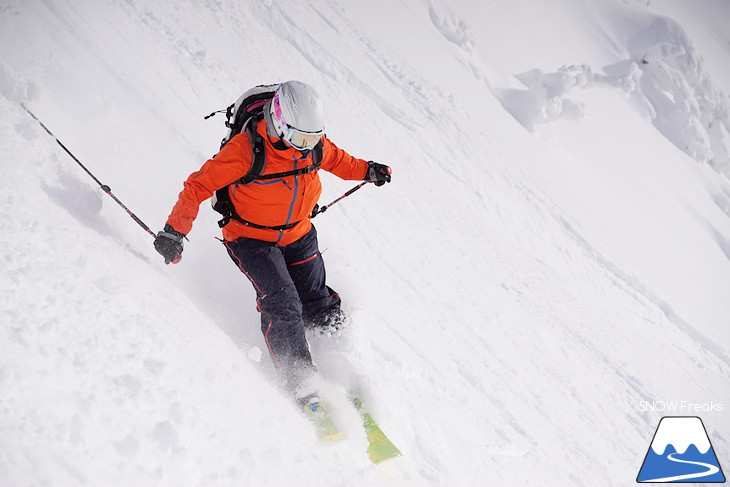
(299, 139)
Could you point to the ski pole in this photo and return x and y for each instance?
(324, 208)
(104, 187)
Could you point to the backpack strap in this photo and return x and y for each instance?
(316, 162)
(258, 160)
(224, 204)
(234, 216)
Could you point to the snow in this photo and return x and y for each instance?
(553, 250)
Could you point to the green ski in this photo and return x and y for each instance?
(324, 427)
(380, 448)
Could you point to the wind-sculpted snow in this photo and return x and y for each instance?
(546, 98)
(688, 108)
(666, 78)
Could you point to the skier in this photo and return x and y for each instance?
(271, 239)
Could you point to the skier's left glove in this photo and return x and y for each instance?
(378, 173)
(169, 243)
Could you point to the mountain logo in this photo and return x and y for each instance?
(681, 452)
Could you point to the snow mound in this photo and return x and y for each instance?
(665, 76)
(688, 109)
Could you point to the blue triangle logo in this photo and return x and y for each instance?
(681, 452)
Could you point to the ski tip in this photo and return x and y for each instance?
(379, 460)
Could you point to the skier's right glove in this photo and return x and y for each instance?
(378, 173)
(169, 243)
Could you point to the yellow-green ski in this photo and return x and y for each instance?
(324, 427)
(380, 448)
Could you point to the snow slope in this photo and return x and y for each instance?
(554, 249)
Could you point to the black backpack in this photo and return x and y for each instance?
(244, 115)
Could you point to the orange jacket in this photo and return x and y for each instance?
(270, 202)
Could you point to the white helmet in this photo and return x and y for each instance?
(297, 115)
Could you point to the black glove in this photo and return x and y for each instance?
(169, 243)
(378, 173)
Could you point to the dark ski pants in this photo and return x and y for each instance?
(291, 291)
